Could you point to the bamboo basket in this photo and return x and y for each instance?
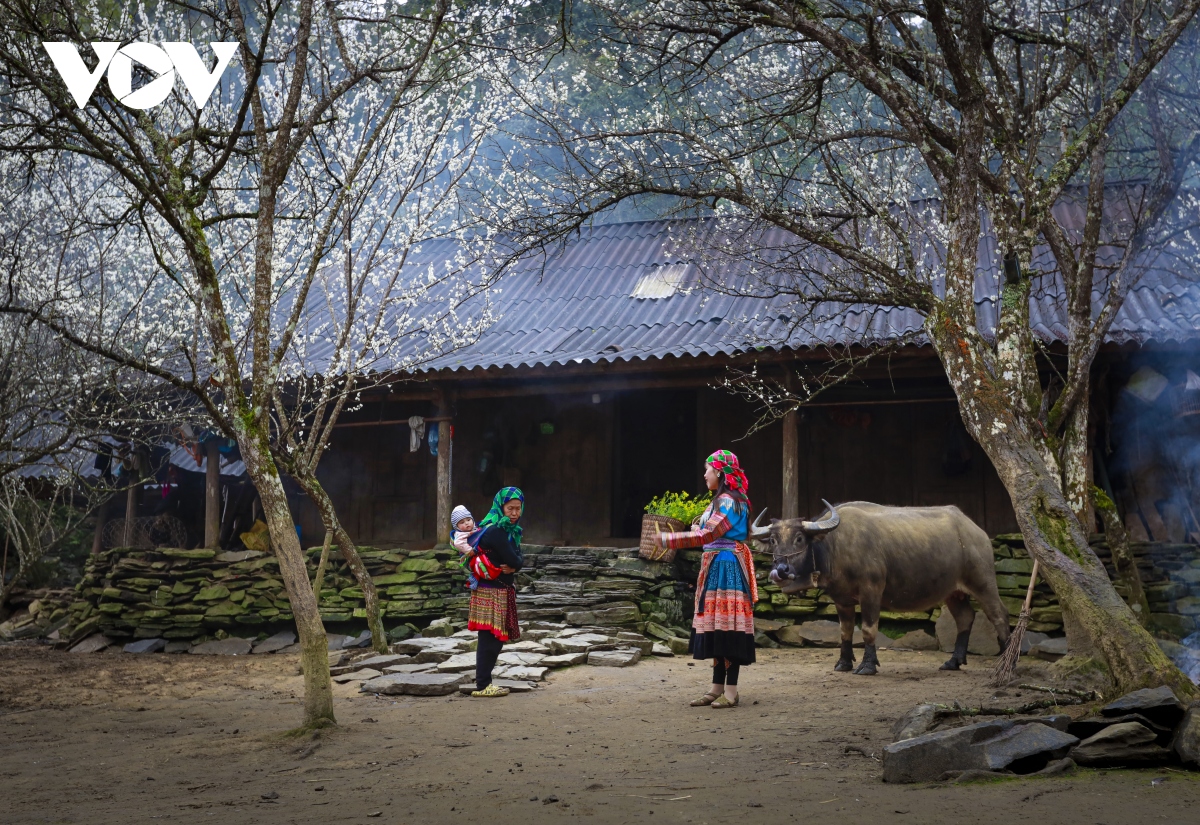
(652, 526)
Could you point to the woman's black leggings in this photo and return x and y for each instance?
(723, 675)
(485, 658)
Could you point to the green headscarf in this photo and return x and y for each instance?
(495, 517)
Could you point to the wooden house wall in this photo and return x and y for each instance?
(574, 476)
(886, 453)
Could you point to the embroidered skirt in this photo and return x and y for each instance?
(723, 622)
(495, 609)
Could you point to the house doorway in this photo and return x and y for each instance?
(655, 451)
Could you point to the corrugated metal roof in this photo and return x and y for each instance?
(580, 304)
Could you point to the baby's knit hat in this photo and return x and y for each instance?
(458, 514)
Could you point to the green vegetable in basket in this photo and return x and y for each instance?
(680, 506)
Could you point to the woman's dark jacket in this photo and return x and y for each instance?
(500, 549)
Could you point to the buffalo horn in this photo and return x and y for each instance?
(755, 530)
(825, 525)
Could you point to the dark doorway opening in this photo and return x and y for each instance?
(655, 451)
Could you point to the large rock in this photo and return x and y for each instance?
(521, 659)
(581, 643)
(524, 673)
(614, 658)
(233, 646)
(564, 660)
(337, 641)
(412, 667)
(1031, 638)
(816, 633)
(458, 663)
(680, 647)
(146, 646)
(1089, 727)
(1049, 650)
(356, 676)
(987, 746)
(92, 644)
(1129, 743)
(275, 643)
(419, 645)
(916, 640)
(1159, 705)
(414, 684)
(232, 556)
(661, 633)
(1187, 739)
(617, 613)
(1027, 748)
(439, 628)
(373, 662)
(627, 639)
(655, 650)
(983, 641)
(918, 721)
(514, 686)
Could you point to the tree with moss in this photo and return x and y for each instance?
(263, 249)
(853, 156)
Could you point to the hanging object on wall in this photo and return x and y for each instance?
(1147, 384)
(416, 432)
(433, 440)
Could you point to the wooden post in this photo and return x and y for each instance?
(131, 495)
(791, 461)
(212, 495)
(443, 470)
(101, 518)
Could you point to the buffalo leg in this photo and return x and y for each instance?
(870, 629)
(997, 614)
(959, 606)
(845, 662)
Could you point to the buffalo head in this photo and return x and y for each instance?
(790, 543)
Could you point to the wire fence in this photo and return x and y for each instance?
(148, 532)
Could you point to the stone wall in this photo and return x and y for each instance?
(196, 594)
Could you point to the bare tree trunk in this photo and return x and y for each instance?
(1048, 522)
(1076, 461)
(350, 553)
(314, 646)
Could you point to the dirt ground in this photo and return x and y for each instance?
(119, 738)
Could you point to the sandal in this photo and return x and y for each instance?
(722, 702)
(490, 691)
(705, 700)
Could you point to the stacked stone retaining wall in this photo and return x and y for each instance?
(194, 594)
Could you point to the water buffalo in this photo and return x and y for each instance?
(889, 558)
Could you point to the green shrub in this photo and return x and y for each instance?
(678, 506)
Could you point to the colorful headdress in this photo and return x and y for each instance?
(495, 517)
(736, 482)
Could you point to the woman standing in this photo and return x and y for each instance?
(723, 622)
(494, 603)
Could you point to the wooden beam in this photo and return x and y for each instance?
(101, 518)
(131, 495)
(390, 422)
(212, 495)
(445, 448)
(791, 459)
